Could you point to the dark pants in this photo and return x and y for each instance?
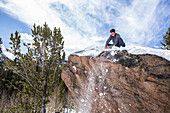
(111, 45)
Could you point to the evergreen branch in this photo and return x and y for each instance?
(27, 79)
(25, 69)
(13, 85)
(54, 77)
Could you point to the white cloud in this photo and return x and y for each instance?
(2, 47)
(26, 38)
(9, 55)
(84, 23)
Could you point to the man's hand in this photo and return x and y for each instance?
(107, 48)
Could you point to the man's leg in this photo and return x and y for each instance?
(117, 45)
(110, 45)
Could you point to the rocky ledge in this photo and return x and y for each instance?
(118, 82)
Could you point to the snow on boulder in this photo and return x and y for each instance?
(133, 49)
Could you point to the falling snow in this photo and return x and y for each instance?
(105, 87)
(75, 68)
(100, 94)
(82, 100)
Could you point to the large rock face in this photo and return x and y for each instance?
(119, 83)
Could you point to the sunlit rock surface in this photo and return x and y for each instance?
(115, 81)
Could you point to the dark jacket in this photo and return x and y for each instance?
(114, 39)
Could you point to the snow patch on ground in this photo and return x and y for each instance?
(131, 48)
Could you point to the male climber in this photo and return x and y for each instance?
(116, 39)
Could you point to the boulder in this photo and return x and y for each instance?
(118, 82)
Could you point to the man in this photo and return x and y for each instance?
(116, 39)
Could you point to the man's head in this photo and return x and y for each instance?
(112, 31)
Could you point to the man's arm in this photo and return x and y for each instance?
(107, 42)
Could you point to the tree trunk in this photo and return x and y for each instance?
(43, 109)
(44, 96)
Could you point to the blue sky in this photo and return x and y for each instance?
(85, 23)
(10, 25)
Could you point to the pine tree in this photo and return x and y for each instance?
(166, 40)
(40, 67)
